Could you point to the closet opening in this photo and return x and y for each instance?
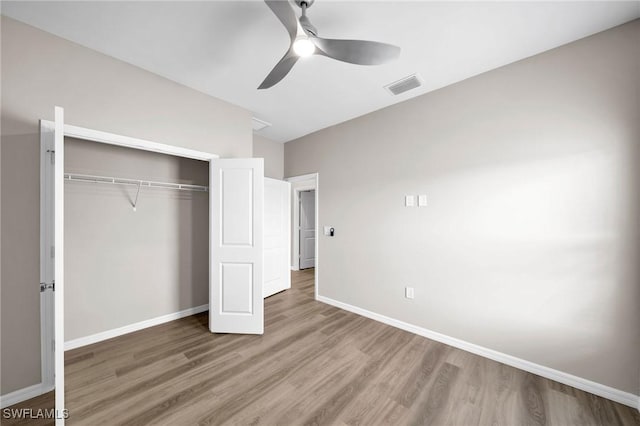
(136, 239)
(183, 215)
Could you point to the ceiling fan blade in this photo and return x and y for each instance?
(281, 69)
(284, 12)
(360, 52)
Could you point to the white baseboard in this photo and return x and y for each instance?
(604, 391)
(23, 394)
(104, 335)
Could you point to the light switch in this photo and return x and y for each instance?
(422, 200)
(409, 200)
(408, 292)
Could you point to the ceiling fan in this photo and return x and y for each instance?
(305, 42)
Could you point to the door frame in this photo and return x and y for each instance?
(302, 185)
(47, 128)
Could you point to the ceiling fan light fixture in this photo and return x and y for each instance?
(303, 47)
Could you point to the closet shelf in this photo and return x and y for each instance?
(134, 182)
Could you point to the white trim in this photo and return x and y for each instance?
(109, 334)
(129, 142)
(309, 176)
(23, 394)
(295, 223)
(604, 391)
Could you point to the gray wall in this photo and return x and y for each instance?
(530, 241)
(124, 266)
(273, 154)
(39, 71)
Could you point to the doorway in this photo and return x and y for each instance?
(309, 184)
(307, 229)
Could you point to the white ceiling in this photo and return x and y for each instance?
(226, 48)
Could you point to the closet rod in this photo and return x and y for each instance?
(135, 182)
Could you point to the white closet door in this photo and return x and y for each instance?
(236, 197)
(277, 236)
(58, 179)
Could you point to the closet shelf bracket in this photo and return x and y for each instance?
(135, 202)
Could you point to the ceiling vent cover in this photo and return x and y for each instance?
(259, 124)
(404, 84)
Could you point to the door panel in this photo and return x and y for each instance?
(236, 242)
(47, 258)
(307, 229)
(277, 236)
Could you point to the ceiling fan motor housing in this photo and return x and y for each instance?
(308, 3)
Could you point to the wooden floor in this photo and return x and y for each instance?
(315, 364)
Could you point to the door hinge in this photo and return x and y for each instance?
(45, 286)
(53, 155)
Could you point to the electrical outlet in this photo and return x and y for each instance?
(408, 292)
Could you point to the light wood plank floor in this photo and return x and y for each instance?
(315, 364)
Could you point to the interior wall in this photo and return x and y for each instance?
(529, 244)
(124, 266)
(39, 71)
(273, 154)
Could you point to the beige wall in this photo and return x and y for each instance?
(273, 154)
(529, 244)
(39, 71)
(124, 266)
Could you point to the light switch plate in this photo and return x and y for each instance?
(409, 200)
(422, 200)
(408, 292)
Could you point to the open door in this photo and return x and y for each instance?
(277, 236)
(47, 254)
(236, 257)
(52, 259)
(58, 251)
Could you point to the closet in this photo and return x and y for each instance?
(146, 232)
(136, 237)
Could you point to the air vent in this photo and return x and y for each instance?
(404, 84)
(259, 124)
